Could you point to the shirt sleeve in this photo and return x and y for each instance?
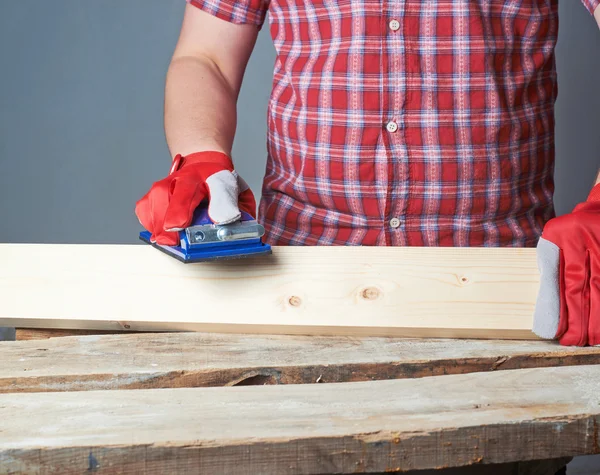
(240, 11)
(591, 5)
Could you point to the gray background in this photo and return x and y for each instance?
(81, 96)
(81, 101)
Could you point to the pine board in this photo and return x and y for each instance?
(392, 291)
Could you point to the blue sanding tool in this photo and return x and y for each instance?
(205, 241)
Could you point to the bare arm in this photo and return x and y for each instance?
(203, 83)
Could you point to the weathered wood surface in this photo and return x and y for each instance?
(376, 426)
(22, 334)
(393, 291)
(534, 467)
(170, 360)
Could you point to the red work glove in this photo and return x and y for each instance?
(170, 204)
(568, 305)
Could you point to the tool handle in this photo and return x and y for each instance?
(201, 216)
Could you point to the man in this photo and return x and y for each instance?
(403, 123)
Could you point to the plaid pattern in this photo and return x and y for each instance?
(433, 130)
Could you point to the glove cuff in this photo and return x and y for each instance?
(222, 160)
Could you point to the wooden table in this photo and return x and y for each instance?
(234, 404)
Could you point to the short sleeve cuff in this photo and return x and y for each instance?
(591, 5)
(237, 11)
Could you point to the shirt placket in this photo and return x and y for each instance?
(394, 117)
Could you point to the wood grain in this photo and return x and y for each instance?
(43, 334)
(439, 292)
(172, 360)
(442, 421)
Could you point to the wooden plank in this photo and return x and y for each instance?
(440, 292)
(436, 422)
(22, 334)
(123, 463)
(172, 360)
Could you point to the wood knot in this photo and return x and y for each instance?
(295, 301)
(464, 280)
(370, 293)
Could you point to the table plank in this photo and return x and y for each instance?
(22, 334)
(169, 360)
(375, 426)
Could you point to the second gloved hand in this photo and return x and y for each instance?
(568, 305)
(170, 203)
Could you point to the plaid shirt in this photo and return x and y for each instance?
(408, 122)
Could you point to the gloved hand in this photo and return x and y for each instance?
(568, 305)
(170, 204)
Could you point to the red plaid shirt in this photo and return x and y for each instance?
(408, 122)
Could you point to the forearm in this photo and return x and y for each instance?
(200, 107)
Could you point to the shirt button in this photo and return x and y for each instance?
(394, 25)
(395, 223)
(391, 126)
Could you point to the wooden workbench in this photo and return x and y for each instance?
(232, 404)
